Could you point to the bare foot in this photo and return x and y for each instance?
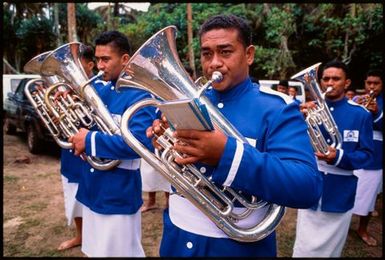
(77, 241)
(369, 240)
(145, 208)
(374, 213)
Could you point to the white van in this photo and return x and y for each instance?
(11, 81)
(300, 87)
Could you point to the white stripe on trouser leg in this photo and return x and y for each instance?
(112, 235)
(235, 164)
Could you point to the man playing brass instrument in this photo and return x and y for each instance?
(370, 177)
(322, 229)
(277, 165)
(112, 198)
(71, 167)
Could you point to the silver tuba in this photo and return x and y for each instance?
(319, 117)
(156, 68)
(74, 110)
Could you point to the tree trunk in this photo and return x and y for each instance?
(190, 40)
(109, 17)
(71, 20)
(56, 21)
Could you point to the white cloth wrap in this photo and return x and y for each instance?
(367, 190)
(321, 234)
(72, 207)
(111, 235)
(152, 180)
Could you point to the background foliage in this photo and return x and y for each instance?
(288, 37)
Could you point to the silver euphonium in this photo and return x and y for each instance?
(156, 68)
(82, 107)
(319, 117)
(35, 90)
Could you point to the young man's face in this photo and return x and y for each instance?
(222, 51)
(109, 60)
(349, 94)
(292, 92)
(282, 89)
(373, 83)
(335, 78)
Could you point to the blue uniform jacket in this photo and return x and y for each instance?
(280, 168)
(70, 165)
(277, 166)
(355, 125)
(116, 191)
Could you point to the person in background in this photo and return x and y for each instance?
(370, 177)
(277, 164)
(292, 92)
(112, 198)
(350, 93)
(153, 181)
(283, 86)
(71, 167)
(322, 229)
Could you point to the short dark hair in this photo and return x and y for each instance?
(228, 22)
(336, 64)
(375, 73)
(87, 53)
(117, 39)
(284, 83)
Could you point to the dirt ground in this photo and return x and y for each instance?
(34, 223)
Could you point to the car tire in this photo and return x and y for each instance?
(33, 140)
(9, 129)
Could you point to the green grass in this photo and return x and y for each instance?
(38, 206)
(10, 179)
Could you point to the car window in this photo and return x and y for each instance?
(14, 84)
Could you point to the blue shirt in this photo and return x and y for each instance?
(116, 191)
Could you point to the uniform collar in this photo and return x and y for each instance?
(336, 103)
(234, 92)
(113, 82)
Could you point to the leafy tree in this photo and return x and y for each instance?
(288, 37)
(35, 36)
(89, 23)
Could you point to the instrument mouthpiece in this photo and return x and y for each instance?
(100, 74)
(217, 76)
(328, 90)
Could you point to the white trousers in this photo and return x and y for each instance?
(321, 234)
(111, 235)
(72, 207)
(367, 190)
